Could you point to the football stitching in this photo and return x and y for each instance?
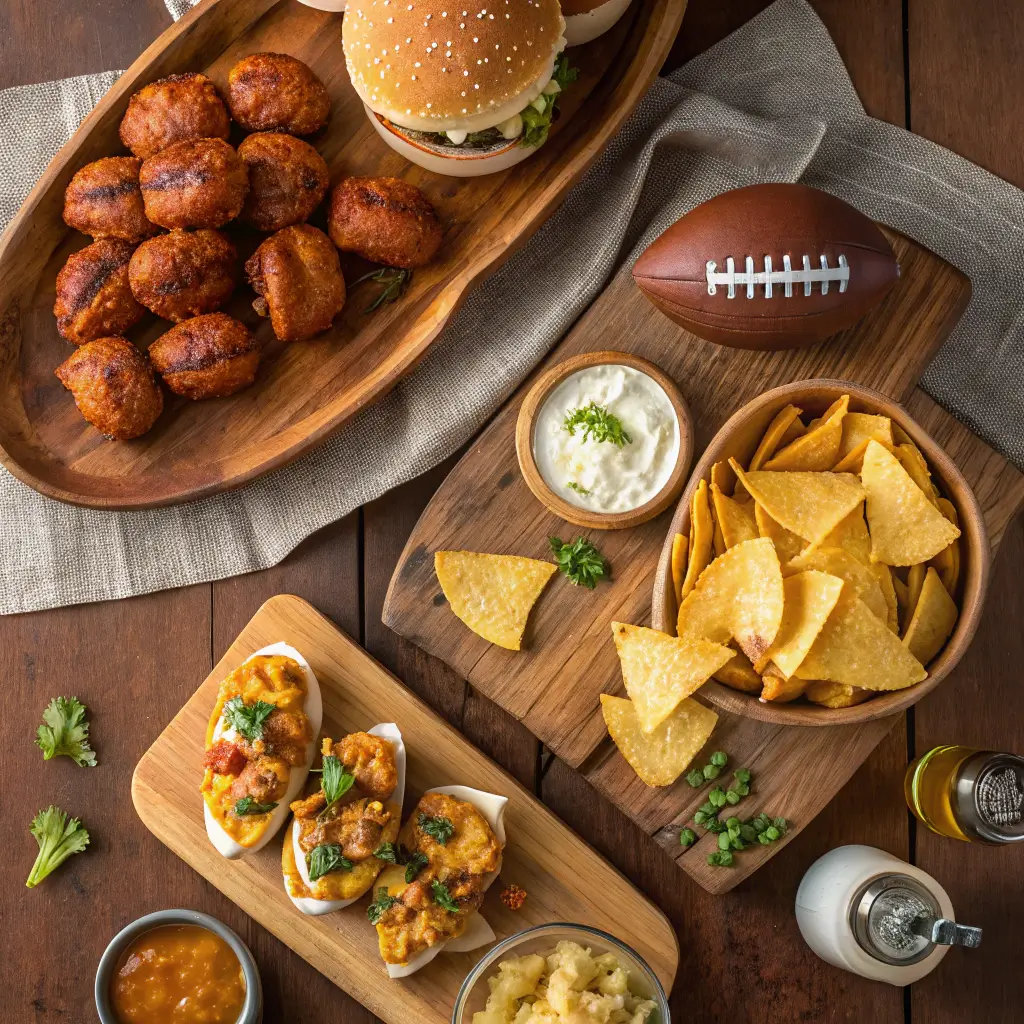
(808, 276)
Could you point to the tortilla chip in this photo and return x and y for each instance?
(858, 648)
(492, 594)
(861, 427)
(933, 619)
(739, 674)
(718, 545)
(809, 599)
(780, 690)
(680, 546)
(915, 581)
(660, 670)
(772, 439)
(883, 574)
(906, 528)
(793, 431)
(735, 520)
(914, 463)
(787, 545)
(947, 561)
(902, 591)
(702, 530)
(723, 477)
(818, 449)
(835, 695)
(851, 534)
(839, 563)
(659, 758)
(807, 504)
(739, 597)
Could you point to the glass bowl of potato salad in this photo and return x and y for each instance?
(561, 974)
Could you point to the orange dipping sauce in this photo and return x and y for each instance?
(178, 974)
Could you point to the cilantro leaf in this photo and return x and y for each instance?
(382, 902)
(58, 839)
(248, 805)
(442, 897)
(335, 781)
(324, 859)
(580, 561)
(415, 864)
(440, 829)
(65, 731)
(247, 719)
(399, 854)
(596, 422)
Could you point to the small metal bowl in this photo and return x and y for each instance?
(252, 1009)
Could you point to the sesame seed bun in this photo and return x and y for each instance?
(444, 65)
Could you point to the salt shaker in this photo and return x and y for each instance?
(873, 914)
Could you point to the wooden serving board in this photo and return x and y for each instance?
(564, 878)
(304, 391)
(569, 658)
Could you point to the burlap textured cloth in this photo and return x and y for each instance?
(772, 102)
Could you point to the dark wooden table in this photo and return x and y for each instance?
(949, 70)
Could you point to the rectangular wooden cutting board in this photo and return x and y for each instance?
(569, 659)
(564, 878)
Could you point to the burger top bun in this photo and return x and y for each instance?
(442, 65)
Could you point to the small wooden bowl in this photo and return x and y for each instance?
(739, 438)
(538, 394)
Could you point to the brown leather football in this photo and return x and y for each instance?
(768, 267)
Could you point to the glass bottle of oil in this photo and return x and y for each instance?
(969, 794)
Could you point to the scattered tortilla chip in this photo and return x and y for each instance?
(739, 596)
(947, 561)
(492, 594)
(906, 528)
(913, 462)
(680, 546)
(858, 648)
(884, 576)
(933, 619)
(735, 520)
(702, 530)
(861, 427)
(739, 674)
(773, 436)
(809, 599)
(851, 534)
(835, 695)
(659, 758)
(807, 504)
(787, 545)
(660, 670)
(818, 449)
(780, 690)
(840, 563)
(915, 581)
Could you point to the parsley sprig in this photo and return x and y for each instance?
(442, 897)
(580, 561)
(335, 781)
(399, 854)
(438, 828)
(324, 859)
(597, 424)
(58, 837)
(250, 805)
(247, 719)
(65, 731)
(382, 902)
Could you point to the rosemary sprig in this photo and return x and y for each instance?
(395, 281)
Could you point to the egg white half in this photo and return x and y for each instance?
(478, 932)
(314, 710)
(313, 907)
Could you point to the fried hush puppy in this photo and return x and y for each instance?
(174, 109)
(206, 357)
(104, 200)
(385, 220)
(113, 386)
(288, 180)
(275, 92)
(201, 183)
(94, 298)
(297, 276)
(184, 273)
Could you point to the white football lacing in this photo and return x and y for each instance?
(768, 277)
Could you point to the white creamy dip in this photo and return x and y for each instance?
(607, 477)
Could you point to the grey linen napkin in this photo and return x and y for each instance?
(772, 102)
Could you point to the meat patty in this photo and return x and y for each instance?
(104, 200)
(276, 92)
(288, 180)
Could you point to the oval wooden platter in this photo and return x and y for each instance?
(565, 879)
(304, 391)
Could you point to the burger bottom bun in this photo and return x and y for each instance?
(581, 28)
(468, 164)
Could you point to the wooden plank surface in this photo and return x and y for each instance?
(745, 959)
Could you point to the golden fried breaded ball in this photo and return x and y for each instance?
(297, 276)
(288, 180)
(385, 220)
(174, 109)
(201, 183)
(184, 273)
(104, 200)
(94, 299)
(206, 357)
(275, 92)
(113, 386)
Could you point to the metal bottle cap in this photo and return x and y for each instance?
(897, 920)
(989, 797)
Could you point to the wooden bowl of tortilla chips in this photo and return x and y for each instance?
(835, 545)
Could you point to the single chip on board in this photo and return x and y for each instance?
(787, 545)
(492, 594)
(702, 531)
(738, 673)
(817, 450)
(807, 504)
(835, 695)
(858, 648)
(906, 528)
(810, 597)
(840, 563)
(660, 670)
(735, 519)
(933, 619)
(739, 596)
(773, 436)
(660, 757)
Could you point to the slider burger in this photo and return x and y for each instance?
(459, 88)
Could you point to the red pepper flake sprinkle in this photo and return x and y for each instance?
(513, 897)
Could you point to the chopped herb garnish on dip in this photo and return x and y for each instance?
(598, 424)
(247, 719)
(578, 488)
(381, 902)
(326, 858)
(442, 897)
(438, 828)
(58, 839)
(66, 732)
(248, 805)
(580, 561)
